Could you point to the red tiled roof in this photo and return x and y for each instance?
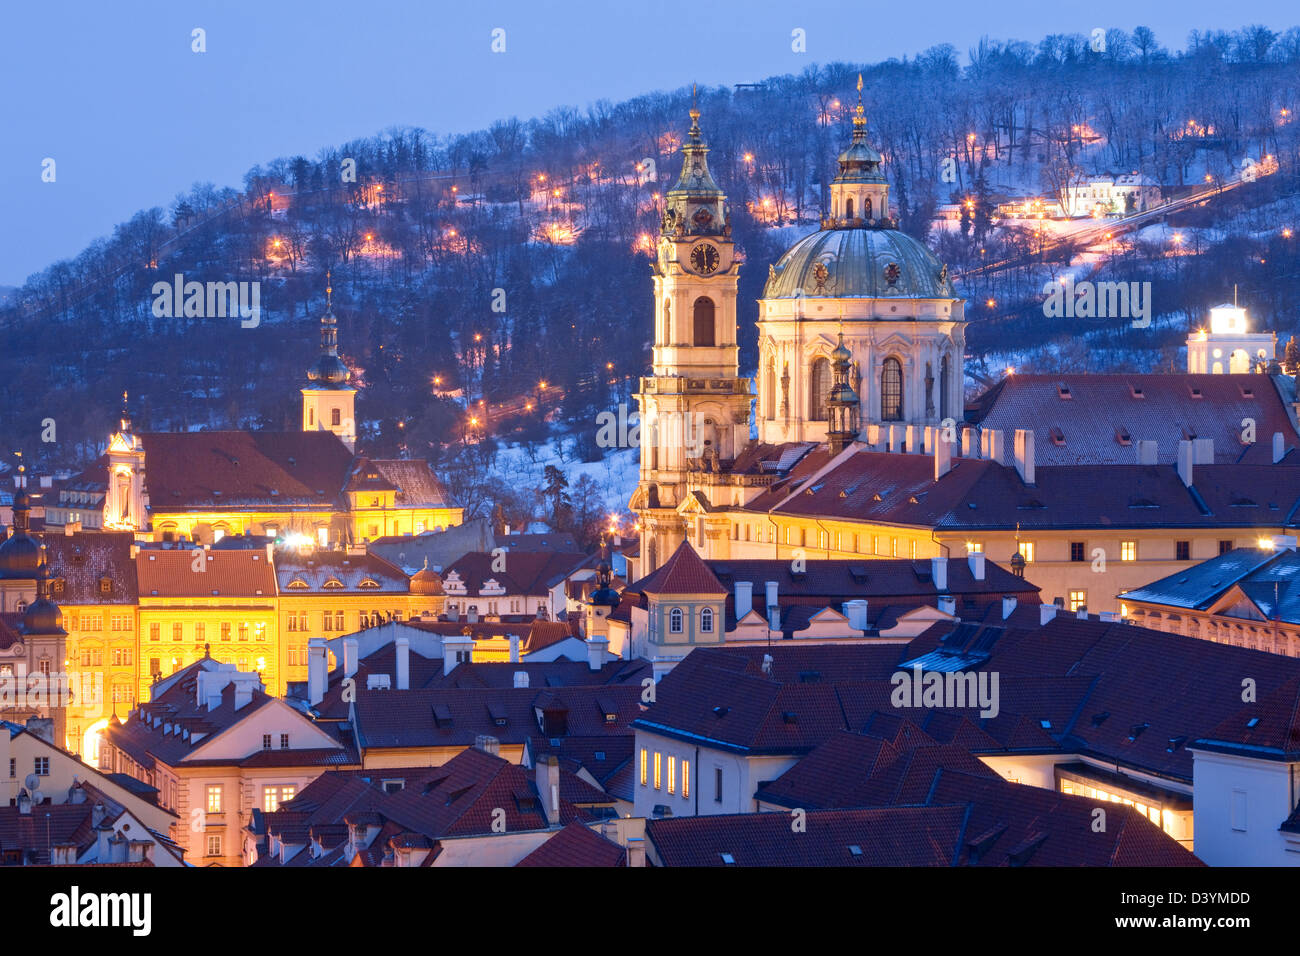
(576, 845)
(683, 573)
(978, 494)
(1168, 410)
(892, 836)
(233, 573)
(530, 573)
(268, 470)
(82, 559)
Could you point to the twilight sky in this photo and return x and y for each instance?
(113, 93)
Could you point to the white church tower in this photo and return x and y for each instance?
(124, 500)
(694, 409)
(328, 401)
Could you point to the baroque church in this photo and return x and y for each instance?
(859, 327)
(864, 443)
(311, 484)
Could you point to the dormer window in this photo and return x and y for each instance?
(105, 585)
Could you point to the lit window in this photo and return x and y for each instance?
(1128, 550)
(658, 772)
(214, 798)
(1078, 599)
(672, 774)
(674, 622)
(974, 547)
(1027, 551)
(178, 631)
(643, 766)
(913, 554)
(686, 778)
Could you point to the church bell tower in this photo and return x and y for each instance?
(328, 400)
(694, 409)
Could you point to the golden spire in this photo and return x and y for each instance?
(329, 290)
(859, 114)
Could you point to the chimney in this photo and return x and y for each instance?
(895, 437)
(403, 648)
(208, 686)
(873, 437)
(1185, 458)
(968, 443)
(548, 787)
(350, 657)
(744, 598)
(1147, 452)
(985, 434)
(1046, 612)
(1204, 449)
(927, 439)
(1082, 612)
(636, 851)
(912, 440)
(771, 594)
(1025, 455)
(997, 450)
(521, 679)
(514, 648)
(487, 744)
(942, 457)
(1008, 605)
(939, 572)
(976, 561)
(317, 670)
(42, 727)
(596, 653)
(471, 614)
(1279, 447)
(948, 604)
(244, 692)
(97, 814)
(856, 612)
(767, 665)
(454, 646)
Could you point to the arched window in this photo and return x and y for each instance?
(675, 621)
(848, 209)
(703, 321)
(944, 387)
(706, 621)
(891, 391)
(866, 209)
(819, 388)
(667, 335)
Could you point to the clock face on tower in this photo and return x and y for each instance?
(705, 259)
